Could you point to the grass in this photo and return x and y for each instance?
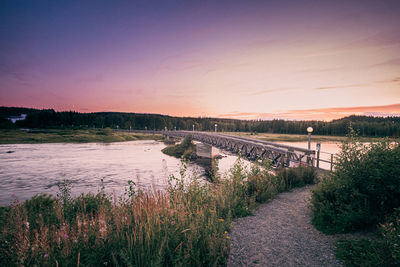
(381, 251)
(185, 149)
(186, 225)
(297, 137)
(70, 136)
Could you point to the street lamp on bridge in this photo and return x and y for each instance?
(309, 130)
(216, 127)
(193, 127)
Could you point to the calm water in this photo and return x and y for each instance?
(327, 148)
(38, 168)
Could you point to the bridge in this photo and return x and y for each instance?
(252, 149)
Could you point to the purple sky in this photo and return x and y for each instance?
(301, 59)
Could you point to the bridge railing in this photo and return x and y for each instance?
(281, 155)
(286, 154)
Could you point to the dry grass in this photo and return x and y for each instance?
(186, 225)
(70, 136)
(296, 137)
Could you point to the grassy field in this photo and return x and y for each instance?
(71, 136)
(13, 136)
(296, 137)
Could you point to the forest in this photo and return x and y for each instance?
(48, 118)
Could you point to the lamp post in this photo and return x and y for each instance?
(193, 127)
(309, 130)
(216, 127)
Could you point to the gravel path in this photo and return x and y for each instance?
(281, 234)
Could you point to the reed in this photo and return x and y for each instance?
(186, 225)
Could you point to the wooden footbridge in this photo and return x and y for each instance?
(280, 155)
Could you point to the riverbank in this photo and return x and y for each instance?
(17, 136)
(298, 137)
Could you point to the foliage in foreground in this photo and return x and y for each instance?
(384, 251)
(186, 225)
(363, 189)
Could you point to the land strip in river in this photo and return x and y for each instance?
(17, 136)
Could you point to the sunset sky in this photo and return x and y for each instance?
(299, 59)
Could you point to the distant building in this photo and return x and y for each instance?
(13, 119)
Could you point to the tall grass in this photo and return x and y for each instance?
(186, 225)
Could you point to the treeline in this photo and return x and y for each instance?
(366, 126)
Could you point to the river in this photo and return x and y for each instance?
(30, 169)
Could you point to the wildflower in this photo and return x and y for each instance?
(45, 256)
(27, 225)
(220, 219)
(65, 236)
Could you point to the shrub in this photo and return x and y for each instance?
(296, 177)
(41, 209)
(182, 150)
(384, 251)
(363, 189)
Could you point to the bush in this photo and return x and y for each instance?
(41, 209)
(296, 177)
(384, 251)
(182, 150)
(363, 189)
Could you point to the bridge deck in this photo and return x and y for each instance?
(253, 149)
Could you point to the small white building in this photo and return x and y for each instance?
(13, 119)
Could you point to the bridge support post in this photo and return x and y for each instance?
(204, 150)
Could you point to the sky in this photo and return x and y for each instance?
(290, 59)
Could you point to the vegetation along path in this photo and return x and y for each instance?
(281, 234)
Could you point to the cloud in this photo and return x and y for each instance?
(393, 80)
(387, 38)
(379, 39)
(319, 114)
(271, 91)
(392, 62)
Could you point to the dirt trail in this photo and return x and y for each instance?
(281, 234)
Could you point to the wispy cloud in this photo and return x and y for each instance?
(319, 114)
(393, 80)
(271, 91)
(392, 62)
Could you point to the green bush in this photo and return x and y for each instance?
(296, 177)
(363, 189)
(384, 251)
(41, 209)
(182, 150)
